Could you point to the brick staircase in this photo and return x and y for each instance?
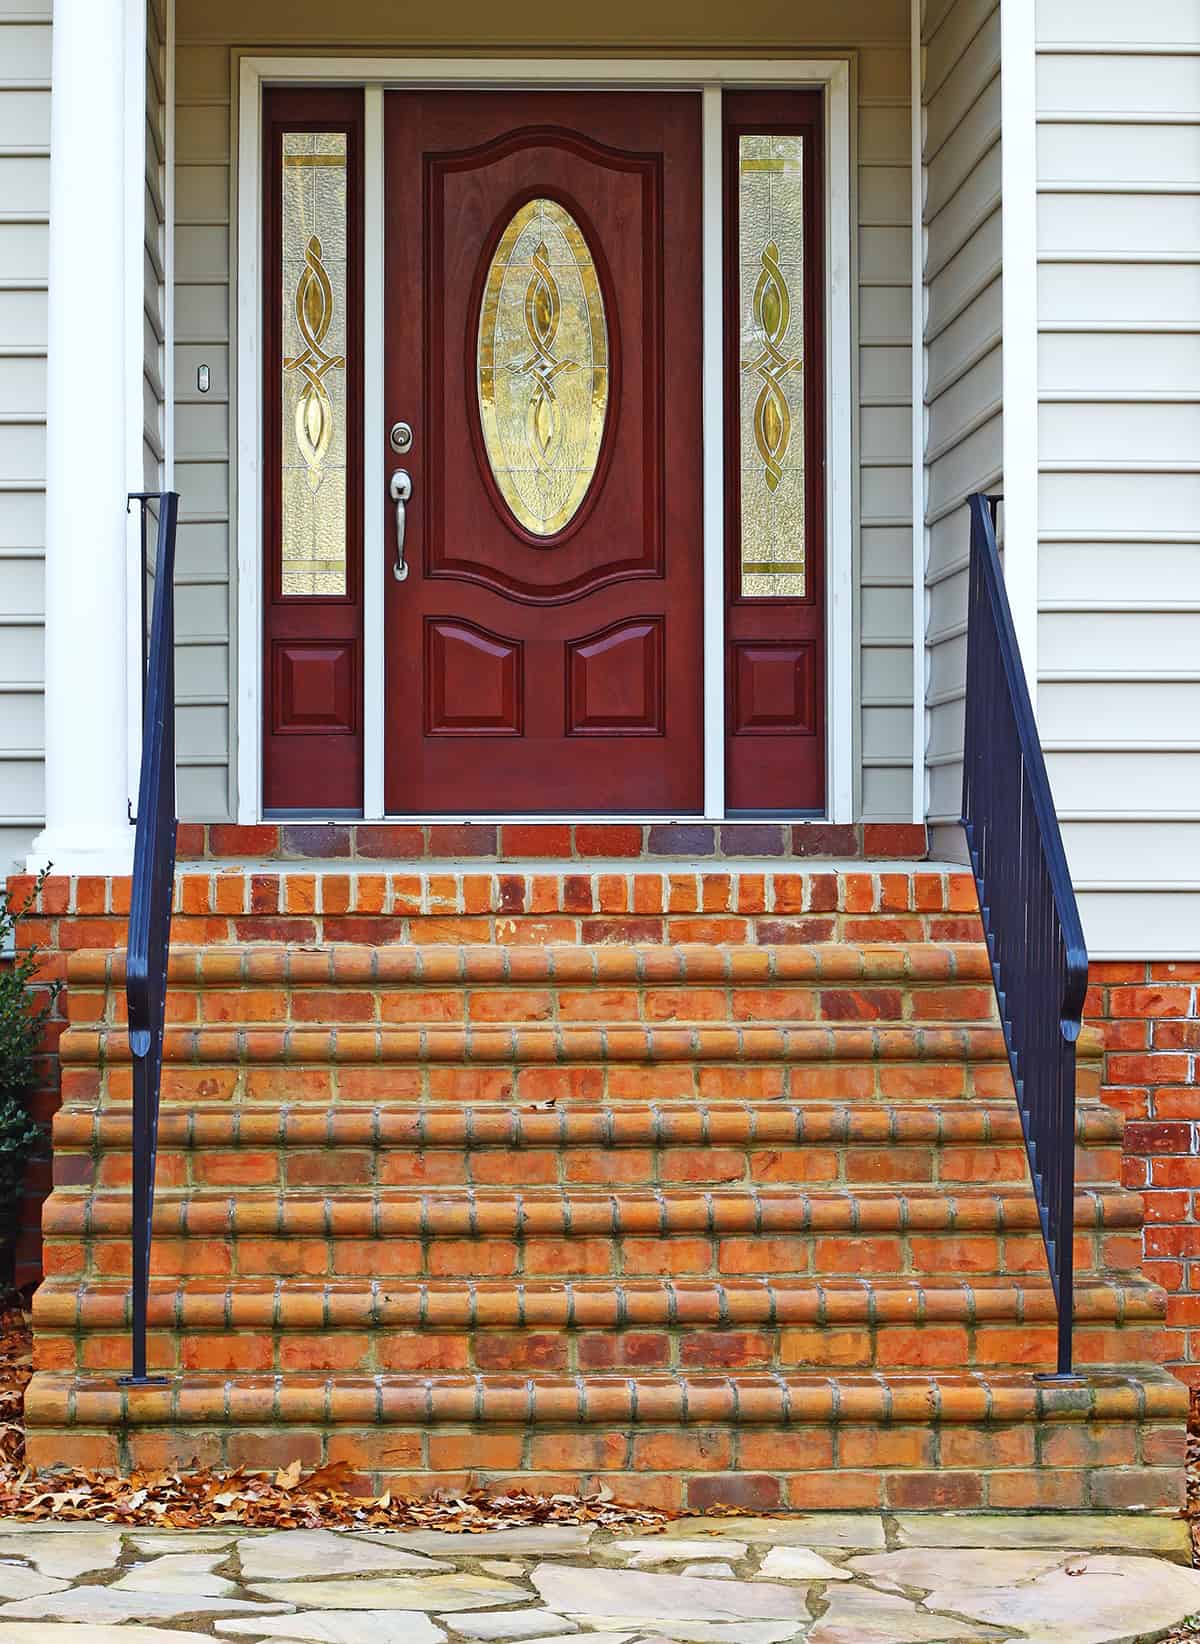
(708, 1187)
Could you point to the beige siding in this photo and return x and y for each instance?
(1119, 451)
(961, 99)
(885, 435)
(204, 657)
(24, 218)
(876, 32)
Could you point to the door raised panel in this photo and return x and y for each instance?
(615, 681)
(314, 686)
(473, 681)
(774, 689)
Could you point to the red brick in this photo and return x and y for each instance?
(455, 841)
(1158, 1138)
(1149, 1001)
(753, 1492)
(232, 839)
(384, 841)
(600, 839)
(535, 839)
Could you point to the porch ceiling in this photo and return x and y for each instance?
(540, 26)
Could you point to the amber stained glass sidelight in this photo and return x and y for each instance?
(313, 386)
(771, 401)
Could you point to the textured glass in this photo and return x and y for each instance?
(771, 322)
(313, 534)
(543, 367)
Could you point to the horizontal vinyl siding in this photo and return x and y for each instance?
(962, 349)
(24, 220)
(885, 437)
(206, 32)
(1119, 453)
(204, 589)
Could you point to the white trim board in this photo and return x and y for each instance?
(134, 323)
(700, 75)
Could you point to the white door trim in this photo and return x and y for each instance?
(708, 77)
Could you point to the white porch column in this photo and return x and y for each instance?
(87, 406)
(1019, 321)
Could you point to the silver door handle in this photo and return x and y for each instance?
(400, 491)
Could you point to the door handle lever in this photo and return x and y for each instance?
(400, 491)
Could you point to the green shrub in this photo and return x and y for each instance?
(20, 1035)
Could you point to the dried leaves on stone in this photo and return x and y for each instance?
(290, 1500)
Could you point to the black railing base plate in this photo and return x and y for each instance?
(143, 1381)
(1067, 1378)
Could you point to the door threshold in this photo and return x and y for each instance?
(456, 819)
(564, 818)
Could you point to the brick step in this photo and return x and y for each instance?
(781, 1324)
(416, 1305)
(517, 1044)
(615, 1125)
(1000, 1439)
(529, 1065)
(407, 1233)
(490, 985)
(531, 904)
(299, 1149)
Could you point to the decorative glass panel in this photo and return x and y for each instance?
(543, 367)
(313, 189)
(771, 321)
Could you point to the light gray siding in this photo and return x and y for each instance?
(1119, 449)
(204, 583)
(961, 97)
(885, 434)
(24, 220)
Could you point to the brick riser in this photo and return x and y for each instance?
(327, 842)
(705, 1223)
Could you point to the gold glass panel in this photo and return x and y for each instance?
(313, 387)
(771, 320)
(543, 367)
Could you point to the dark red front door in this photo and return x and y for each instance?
(543, 342)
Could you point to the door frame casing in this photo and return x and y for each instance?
(706, 77)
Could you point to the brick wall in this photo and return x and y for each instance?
(1149, 1014)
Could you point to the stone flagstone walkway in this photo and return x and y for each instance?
(820, 1578)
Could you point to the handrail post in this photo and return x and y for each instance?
(150, 903)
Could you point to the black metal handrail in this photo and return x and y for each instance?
(1030, 917)
(150, 902)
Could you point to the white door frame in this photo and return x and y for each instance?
(709, 78)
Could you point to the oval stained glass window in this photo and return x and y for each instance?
(542, 362)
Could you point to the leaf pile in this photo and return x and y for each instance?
(289, 1500)
(292, 1501)
(16, 1367)
(1192, 1500)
